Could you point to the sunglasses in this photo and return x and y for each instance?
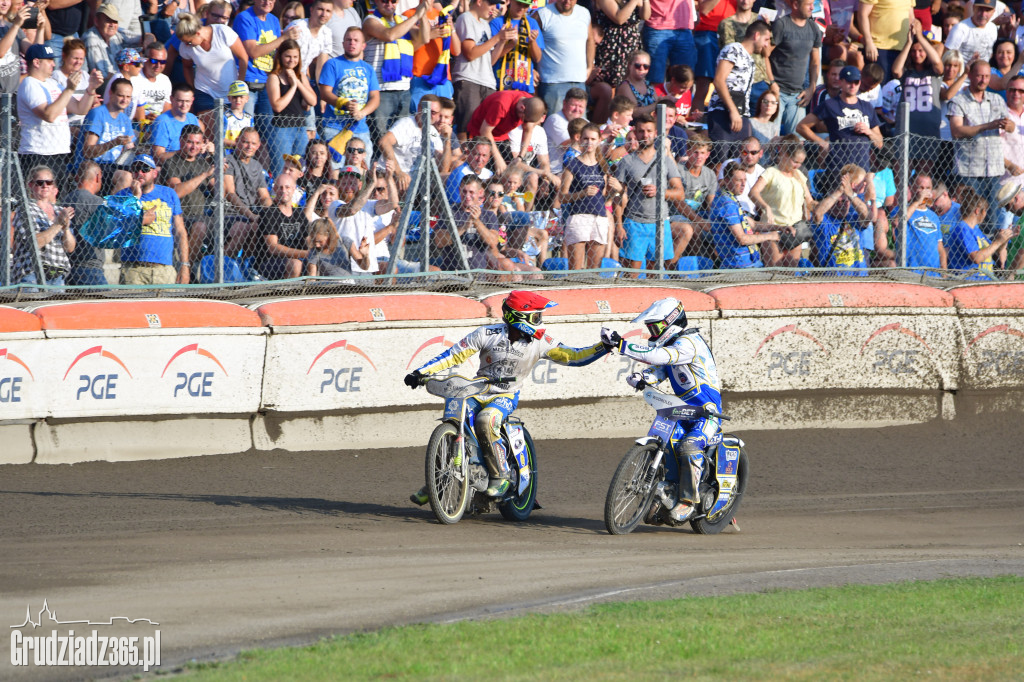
(751, 152)
(380, 189)
(44, 183)
(157, 62)
(355, 150)
(641, 67)
(222, 17)
(1015, 90)
(492, 193)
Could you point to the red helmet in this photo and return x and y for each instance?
(522, 311)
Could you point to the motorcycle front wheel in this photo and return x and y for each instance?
(447, 484)
(715, 525)
(518, 506)
(632, 489)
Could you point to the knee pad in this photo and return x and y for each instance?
(488, 425)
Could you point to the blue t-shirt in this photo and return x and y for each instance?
(726, 212)
(963, 240)
(845, 145)
(582, 177)
(515, 73)
(156, 245)
(354, 80)
(923, 239)
(100, 122)
(453, 185)
(248, 27)
(950, 219)
(166, 130)
(838, 244)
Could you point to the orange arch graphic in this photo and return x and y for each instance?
(15, 359)
(344, 345)
(98, 350)
(193, 347)
(791, 329)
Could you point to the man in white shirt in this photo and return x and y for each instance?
(355, 216)
(557, 125)
(401, 144)
(316, 40)
(152, 87)
(343, 17)
(975, 37)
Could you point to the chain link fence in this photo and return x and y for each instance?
(225, 205)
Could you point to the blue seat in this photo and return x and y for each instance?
(693, 264)
(555, 265)
(804, 263)
(610, 263)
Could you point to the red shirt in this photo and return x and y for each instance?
(498, 110)
(711, 20)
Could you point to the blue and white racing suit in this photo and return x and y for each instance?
(688, 365)
(500, 357)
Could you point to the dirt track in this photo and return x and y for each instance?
(233, 551)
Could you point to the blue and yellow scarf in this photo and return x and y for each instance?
(397, 54)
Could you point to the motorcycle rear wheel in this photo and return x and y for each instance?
(447, 485)
(723, 518)
(632, 489)
(518, 506)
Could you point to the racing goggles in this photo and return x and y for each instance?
(657, 328)
(531, 318)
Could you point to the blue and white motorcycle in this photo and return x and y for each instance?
(457, 476)
(644, 483)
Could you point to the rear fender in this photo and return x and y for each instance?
(727, 460)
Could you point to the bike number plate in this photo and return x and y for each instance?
(518, 443)
(662, 428)
(453, 408)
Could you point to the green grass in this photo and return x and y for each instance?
(962, 629)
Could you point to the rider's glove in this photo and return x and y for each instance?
(611, 339)
(413, 379)
(636, 380)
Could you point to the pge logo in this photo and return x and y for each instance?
(97, 386)
(10, 387)
(343, 377)
(437, 340)
(899, 360)
(194, 384)
(791, 363)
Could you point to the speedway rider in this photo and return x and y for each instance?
(508, 349)
(683, 357)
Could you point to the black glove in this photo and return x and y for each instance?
(612, 340)
(413, 379)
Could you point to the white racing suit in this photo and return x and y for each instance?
(689, 366)
(499, 357)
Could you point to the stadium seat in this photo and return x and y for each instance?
(693, 264)
(610, 263)
(554, 265)
(804, 263)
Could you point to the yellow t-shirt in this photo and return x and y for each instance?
(785, 195)
(890, 22)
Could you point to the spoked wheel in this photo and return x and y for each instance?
(632, 489)
(517, 506)
(717, 523)
(447, 486)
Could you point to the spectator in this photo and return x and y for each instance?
(260, 33)
(564, 27)
(355, 155)
(782, 195)
(954, 75)
(731, 30)
(343, 17)
(74, 62)
(349, 88)
(885, 25)
(615, 133)
(765, 124)
(698, 181)
(245, 188)
(107, 133)
(924, 236)
(705, 38)
(974, 38)
(517, 58)
(68, 21)
(1013, 143)
(749, 160)
(193, 180)
(478, 231)
(977, 119)
(151, 87)
(732, 229)
(208, 57)
(235, 118)
(795, 61)
(319, 200)
(639, 230)
(402, 144)
(970, 251)
(500, 113)
(729, 109)
(290, 12)
(636, 86)
(430, 61)
(165, 133)
(921, 87)
(46, 222)
(282, 229)
(831, 86)
(556, 125)
(535, 156)
(314, 38)
(583, 203)
(1011, 200)
(326, 250)
(291, 96)
(668, 35)
(355, 216)
(1006, 62)
(446, 129)
(105, 40)
(472, 71)
(151, 260)
(679, 86)
(476, 164)
(852, 126)
(129, 14)
(837, 218)
(129, 64)
(619, 23)
(11, 40)
(947, 209)
(390, 43)
(318, 169)
(86, 260)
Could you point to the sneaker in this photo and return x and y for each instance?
(420, 497)
(681, 512)
(498, 487)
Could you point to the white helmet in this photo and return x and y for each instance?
(665, 320)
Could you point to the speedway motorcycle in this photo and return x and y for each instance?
(457, 475)
(643, 486)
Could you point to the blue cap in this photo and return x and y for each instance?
(40, 52)
(850, 74)
(145, 160)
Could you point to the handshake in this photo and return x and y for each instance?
(611, 340)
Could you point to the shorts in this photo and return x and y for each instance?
(468, 97)
(586, 227)
(640, 242)
(706, 43)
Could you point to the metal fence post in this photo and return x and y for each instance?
(426, 162)
(6, 195)
(661, 212)
(905, 175)
(218, 159)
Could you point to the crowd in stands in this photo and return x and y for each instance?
(781, 142)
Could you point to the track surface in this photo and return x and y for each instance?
(233, 551)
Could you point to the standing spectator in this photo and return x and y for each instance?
(107, 132)
(919, 69)
(165, 133)
(557, 124)
(314, 38)
(260, 33)
(795, 61)
(782, 195)
(668, 35)
(105, 40)
(974, 38)
(472, 72)
(129, 13)
(151, 260)
(48, 224)
(954, 76)
(924, 233)
(152, 88)
(86, 260)
(977, 119)
(619, 23)
(886, 27)
(732, 29)
(1013, 142)
(430, 61)
(290, 96)
(565, 27)
(402, 144)
(837, 219)
(729, 109)
(852, 130)
(516, 59)
(391, 40)
(282, 229)
(503, 111)
(970, 251)
(11, 40)
(245, 189)
(705, 38)
(68, 19)
(343, 17)
(192, 179)
(349, 88)
(736, 238)
(764, 124)
(74, 62)
(583, 201)
(210, 56)
(635, 172)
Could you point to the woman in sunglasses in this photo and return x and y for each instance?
(637, 85)
(49, 225)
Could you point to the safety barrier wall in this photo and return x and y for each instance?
(144, 379)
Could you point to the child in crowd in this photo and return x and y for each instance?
(235, 118)
(328, 252)
(318, 202)
(679, 86)
(615, 133)
(572, 145)
(515, 198)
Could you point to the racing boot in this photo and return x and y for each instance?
(420, 497)
(689, 482)
(498, 487)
